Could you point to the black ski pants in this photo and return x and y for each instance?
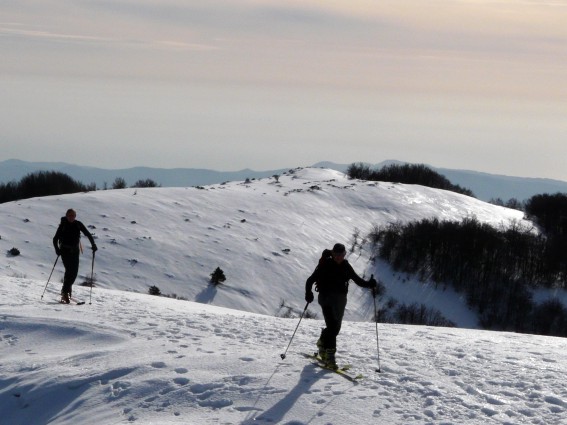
(70, 257)
(333, 306)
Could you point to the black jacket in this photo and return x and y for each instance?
(68, 234)
(332, 277)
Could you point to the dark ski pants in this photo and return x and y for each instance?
(70, 257)
(333, 307)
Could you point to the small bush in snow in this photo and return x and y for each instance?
(14, 252)
(217, 277)
(146, 183)
(154, 290)
(119, 183)
(89, 281)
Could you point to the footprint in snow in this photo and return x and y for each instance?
(10, 339)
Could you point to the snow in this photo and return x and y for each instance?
(265, 235)
(128, 357)
(133, 358)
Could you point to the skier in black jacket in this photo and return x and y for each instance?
(332, 276)
(66, 243)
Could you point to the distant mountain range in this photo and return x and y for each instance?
(485, 186)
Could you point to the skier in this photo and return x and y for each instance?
(331, 277)
(66, 243)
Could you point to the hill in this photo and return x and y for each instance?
(127, 357)
(266, 235)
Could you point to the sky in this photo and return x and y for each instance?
(127, 357)
(478, 85)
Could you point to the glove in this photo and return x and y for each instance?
(57, 251)
(309, 297)
(94, 248)
(373, 285)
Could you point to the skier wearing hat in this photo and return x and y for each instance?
(331, 277)
(67, 245)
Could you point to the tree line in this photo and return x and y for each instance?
(41, 183)
(405, 173)
(496, 269)
(48, 183)
(549, 212)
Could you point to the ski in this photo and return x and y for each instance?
(73, 301)
(315, 356)
(342, 370)
(76, 301)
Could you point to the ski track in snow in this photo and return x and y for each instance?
(131, 358)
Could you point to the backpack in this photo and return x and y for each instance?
(327, 253)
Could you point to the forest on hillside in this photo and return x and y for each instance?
(49, 183)
(496, 269)
(407, 174)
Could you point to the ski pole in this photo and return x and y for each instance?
(92, 281)
(54, 264)
(304, 310)
(377, 339)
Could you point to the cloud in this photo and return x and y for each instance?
(457, 47)
(46, 36)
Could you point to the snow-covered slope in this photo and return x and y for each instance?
(266, 235)
(127, 357)
(132, 358)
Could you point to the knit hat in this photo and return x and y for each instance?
(339, 248)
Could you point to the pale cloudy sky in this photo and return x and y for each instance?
(268, 84)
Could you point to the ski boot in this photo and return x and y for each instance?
(65, 298)
(321, 352)
(329, 359)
